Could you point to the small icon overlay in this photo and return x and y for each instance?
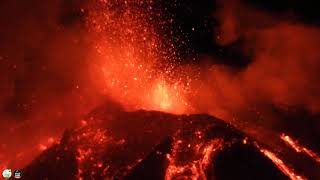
(6, 173)
(17, 174)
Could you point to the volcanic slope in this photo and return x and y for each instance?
(114, 144)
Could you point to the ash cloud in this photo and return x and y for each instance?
(43, 67)
(284, 55)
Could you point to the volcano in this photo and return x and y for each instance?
(111, 143)
(154, 89)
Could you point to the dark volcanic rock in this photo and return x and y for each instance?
(152, 145)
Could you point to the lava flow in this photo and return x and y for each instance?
(195, 168)
(282, 166)
(299, 148)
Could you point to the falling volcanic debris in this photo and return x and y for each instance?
(132, 62)
(145, 129)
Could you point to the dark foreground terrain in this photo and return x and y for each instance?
(114, 144)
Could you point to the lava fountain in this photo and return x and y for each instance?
(131, 61)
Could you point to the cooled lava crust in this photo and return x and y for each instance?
(114, 144)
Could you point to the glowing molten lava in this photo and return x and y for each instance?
(167, 98)
(298, 148)
(161, 97)
(282, 166)
(196, 167)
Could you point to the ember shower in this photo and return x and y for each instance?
(132, 63)
(85, 82)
